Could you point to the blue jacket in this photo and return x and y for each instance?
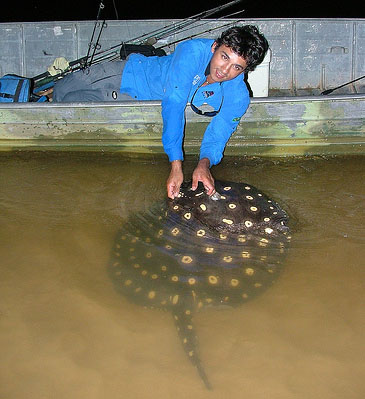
(174, 79)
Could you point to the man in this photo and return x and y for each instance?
(198, 71)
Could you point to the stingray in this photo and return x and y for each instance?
(196, 251)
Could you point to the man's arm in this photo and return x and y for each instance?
(175, 179)
(202, 173)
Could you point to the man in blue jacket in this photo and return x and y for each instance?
(198, 71)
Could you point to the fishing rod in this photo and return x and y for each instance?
(91, 44)
(168, 30)
(117, 54)
(198, 34)
(206, 31)
(329, 91)
(151, 39)
(156, 35)
(96, 46)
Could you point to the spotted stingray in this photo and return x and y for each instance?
(197, 251)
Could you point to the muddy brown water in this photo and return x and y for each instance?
(66, 333)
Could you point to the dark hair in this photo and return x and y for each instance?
(247, 42)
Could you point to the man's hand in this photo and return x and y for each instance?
(175, 179)
(202, 173)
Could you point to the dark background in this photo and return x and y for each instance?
(74, 10)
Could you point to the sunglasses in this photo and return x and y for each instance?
(206, 113)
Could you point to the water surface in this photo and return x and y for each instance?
(66, 333)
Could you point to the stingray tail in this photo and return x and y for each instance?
(183, 322)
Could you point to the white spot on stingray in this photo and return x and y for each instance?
(268, 230)
(203, 207)
(248, 223)
(212, 279)
(249, 197)
(175, 231)
(200, 233)
(247, 188)
(227, 188)
(187, 215)
(253, 209)
(186, 259)
(241, 238)
(232, 206)
(227, 221)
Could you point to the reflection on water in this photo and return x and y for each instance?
(66, 333)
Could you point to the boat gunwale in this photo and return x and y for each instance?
(154, 103)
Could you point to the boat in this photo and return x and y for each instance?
(288, 115)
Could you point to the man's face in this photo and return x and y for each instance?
(225, 64)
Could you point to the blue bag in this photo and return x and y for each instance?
(14, 89)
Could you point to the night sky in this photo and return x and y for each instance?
(71, 10)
